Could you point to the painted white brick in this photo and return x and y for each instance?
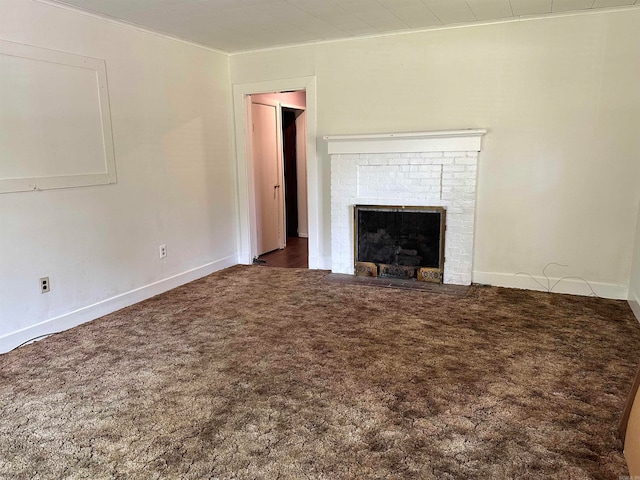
(377, 161)
(412, 179)
(465, 161)
(399, 161)
(453, 210)
(418, 175)
(430, 161)
(464, 175)
(452, 182)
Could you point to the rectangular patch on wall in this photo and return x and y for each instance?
(55, 122)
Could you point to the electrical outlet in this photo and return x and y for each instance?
(45, 286)
(163, 250)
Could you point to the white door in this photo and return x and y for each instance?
(267, 175)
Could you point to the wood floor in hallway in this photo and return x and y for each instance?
(294, 255)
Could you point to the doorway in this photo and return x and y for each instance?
(317, 219)
(278, 146)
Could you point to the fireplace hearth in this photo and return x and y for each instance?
(399, 242)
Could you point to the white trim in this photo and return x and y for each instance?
(412, 142)
(107, 173)
(110, 305)
(569, 285)
(634, 303)
(247, 242)
(469, 132)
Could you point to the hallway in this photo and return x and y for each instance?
(294, 255)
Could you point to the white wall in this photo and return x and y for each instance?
(172, 131)
(556, 180)
(634, 282)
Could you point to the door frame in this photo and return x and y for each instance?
(245, 208)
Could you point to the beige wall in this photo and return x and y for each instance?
(172, 132)
(560, 99)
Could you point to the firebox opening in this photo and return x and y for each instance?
(400, 242)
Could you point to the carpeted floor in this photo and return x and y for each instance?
(266, 373)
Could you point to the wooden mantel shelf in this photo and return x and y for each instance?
(434, 141)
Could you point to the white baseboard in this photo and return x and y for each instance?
(303, 235)
(634, 303)
(91, 312)
(320, 263)
(244, 258)
(568, 285)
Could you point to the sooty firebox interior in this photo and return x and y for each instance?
(400, 242)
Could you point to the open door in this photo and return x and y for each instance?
(267, 175)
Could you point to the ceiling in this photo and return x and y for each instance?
(239, 25)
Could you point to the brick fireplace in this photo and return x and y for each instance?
(424, 169)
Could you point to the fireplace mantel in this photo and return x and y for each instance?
(420, 169)
(410, 142)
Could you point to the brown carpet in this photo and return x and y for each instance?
(266, 373)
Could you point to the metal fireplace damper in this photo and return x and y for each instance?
(400, 242)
